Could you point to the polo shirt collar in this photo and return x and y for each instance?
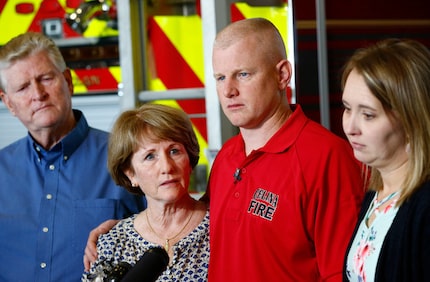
(287, 135)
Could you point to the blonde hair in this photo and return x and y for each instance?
(153, 122)
(397, 73)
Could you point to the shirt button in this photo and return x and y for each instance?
(48, 196)
(45, 229)
(65, 158)
(52, 167)
(42, 265)
(236, 194)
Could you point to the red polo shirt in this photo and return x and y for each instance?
(290, 212)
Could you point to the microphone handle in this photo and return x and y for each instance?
(149, 267)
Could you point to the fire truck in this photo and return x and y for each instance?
(89, 43)
(125, 53)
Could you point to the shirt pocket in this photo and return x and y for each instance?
(88, 214)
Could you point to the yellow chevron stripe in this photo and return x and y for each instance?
(185, 33)
(116, 72)
(277, 15)
(156, 85)
(62, 3)
(78, 86)
(14, 24)
(99, 28)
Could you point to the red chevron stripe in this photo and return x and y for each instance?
(236, 14)
(2, 4)
(97, 79)
(175, 73)
(171, 67)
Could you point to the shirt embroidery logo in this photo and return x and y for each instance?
(263, 204)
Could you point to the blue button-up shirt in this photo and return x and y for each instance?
(51, 200)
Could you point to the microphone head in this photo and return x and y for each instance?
(118, 271)
(149, 267)
(109, 271)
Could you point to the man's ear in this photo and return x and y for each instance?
(6, 101)
(68, 76)
(285, 73)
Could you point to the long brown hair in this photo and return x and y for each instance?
(397, 72)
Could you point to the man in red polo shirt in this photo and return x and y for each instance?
(285, 192)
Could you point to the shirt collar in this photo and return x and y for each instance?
(70, 142)
(287, 134)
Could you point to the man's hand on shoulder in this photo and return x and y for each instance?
(90, 255)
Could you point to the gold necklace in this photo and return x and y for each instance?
(166, 243)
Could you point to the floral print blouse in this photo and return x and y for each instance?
(364, 252)
(124, 244)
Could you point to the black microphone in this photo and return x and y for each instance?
(149, 267)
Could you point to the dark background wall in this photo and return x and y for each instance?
(351, 24)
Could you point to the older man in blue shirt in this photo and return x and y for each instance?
(54, 185)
